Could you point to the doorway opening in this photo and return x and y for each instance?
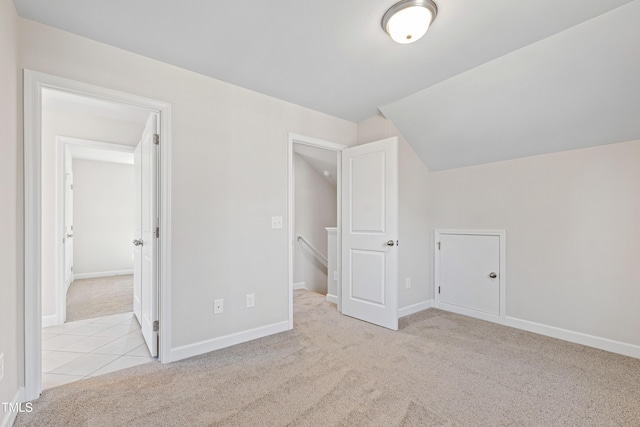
(314, 218)
(92, 238)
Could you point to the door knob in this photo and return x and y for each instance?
(69, 236)
(137, 242)
(493, 275)
(390, 243)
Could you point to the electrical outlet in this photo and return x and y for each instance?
(251, 300)
(407, 283)
(1, 366)
(335, 276)
(276, 222)
(218, 306)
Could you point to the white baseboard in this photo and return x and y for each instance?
(470, 312)
(207, 346)
(299, 285)
(332, 298)
(102, 274)
(10, 417)
(49, 320)
(414, 308)
(613, 346)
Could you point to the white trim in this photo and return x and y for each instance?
(207, 346)
(299, 285)
(291, 241)
(502, 235)
(606, 344)
(51, 320)
(332, 298)
(415, 308)
(102, 274)
(10, 417)
(34, 83)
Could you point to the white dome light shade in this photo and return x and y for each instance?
(409, 20)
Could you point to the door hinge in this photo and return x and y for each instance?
(156, 232)
(438, 289)
(438, 245)
(156, 138)
(72, 268)
(156, 326)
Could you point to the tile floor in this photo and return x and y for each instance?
(92, 347)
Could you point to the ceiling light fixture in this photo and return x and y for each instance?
(408, 20)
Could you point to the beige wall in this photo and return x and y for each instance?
(229, 176)
(315, 208)
(103, 217)
(61, 121)
(9, 260)
(572, 222)
(415, 236)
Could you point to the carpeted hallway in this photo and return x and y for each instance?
(440, 369)
(102, 296)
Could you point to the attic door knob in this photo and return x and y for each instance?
(137, 242)
(493, 275)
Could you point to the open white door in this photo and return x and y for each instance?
(369, 232)
(137, 232)
(68, 231)
(147, 241)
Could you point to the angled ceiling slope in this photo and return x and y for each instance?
(576, 89)
(330, 55)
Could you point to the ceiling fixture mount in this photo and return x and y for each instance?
(408, 20)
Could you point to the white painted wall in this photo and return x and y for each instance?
(229, 160)
(315, 209)
(415, 235)
(572, 233)
(104, 213)
(10, 225)
(70, 123)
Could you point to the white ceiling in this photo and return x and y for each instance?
(333, 56)
(320, 160)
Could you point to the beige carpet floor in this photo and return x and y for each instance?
(440, 369)
(103, 296)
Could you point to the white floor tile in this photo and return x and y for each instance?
(89, 329)
(141, 350)
(119, 346)
(85, 365)
(118, 331)
(115, 319)
(122, 362)
(46, 336)
(61, 341)
(62, 329)
(54, 359)
(54, 380)
(87, 344)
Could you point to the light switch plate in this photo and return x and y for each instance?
(276, 222)
(251, 300)
(408, 283)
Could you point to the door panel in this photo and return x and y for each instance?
(149, 247)
(370, 220)
(68, 230)
(137, 250)
(466, 262)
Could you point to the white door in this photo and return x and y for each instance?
(68, 230)
(147, 241)
(469, 274)
(369, 232)
(137, 250)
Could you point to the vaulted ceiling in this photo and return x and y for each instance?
(490, 81)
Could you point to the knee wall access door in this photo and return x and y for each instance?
(470, 273)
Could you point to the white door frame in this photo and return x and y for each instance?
(62, 144)
(34, 83)
(502, 235)
(318, 143)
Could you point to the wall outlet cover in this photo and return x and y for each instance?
(218, 306)
(408, 283)
(251, 300)
(1, 366)
(276, 222)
